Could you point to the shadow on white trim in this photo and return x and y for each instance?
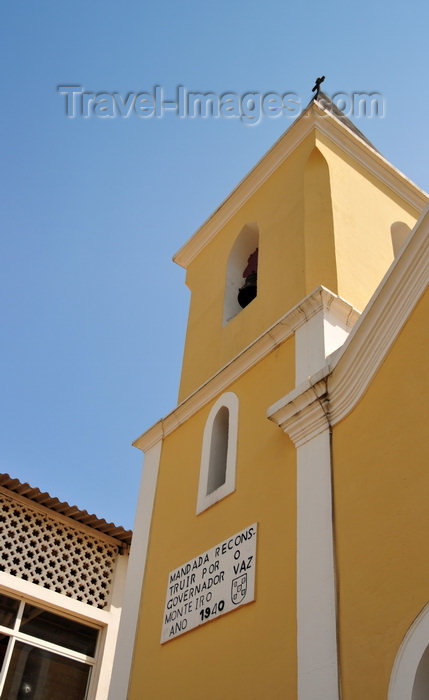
(407, 674)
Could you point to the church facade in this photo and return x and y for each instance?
(279, 542)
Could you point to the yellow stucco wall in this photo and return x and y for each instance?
(249, 653)
(364, 209)
(381, 485)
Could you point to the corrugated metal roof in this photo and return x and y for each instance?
(73, 512)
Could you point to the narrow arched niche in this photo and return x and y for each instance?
(320, 255)
(246, 243)
(218, 451)
(399, 232)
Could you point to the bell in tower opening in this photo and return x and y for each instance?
(248, 291)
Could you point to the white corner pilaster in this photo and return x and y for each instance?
(136, 568)
(303, 415)
(328, 322)
(316, 591)
(110, 633)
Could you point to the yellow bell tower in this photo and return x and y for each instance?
(233, 584)
(320, 205)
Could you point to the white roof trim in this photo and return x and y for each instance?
(316, 118)
(320, 298)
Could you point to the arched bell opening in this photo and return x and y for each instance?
(241, 285)
(249, 290)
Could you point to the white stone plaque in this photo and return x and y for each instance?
(212, 584)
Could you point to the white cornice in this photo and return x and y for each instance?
(328, 396)
(356, 363)
(55, 601)
(372, 160)
(304, 412)
(269, 162)
(314, 118)
(317, 300)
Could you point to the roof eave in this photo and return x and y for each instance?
(314, 117)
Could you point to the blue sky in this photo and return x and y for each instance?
(93, 310)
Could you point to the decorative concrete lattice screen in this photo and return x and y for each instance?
(50, 553)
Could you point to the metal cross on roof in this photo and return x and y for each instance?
(316, 87)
